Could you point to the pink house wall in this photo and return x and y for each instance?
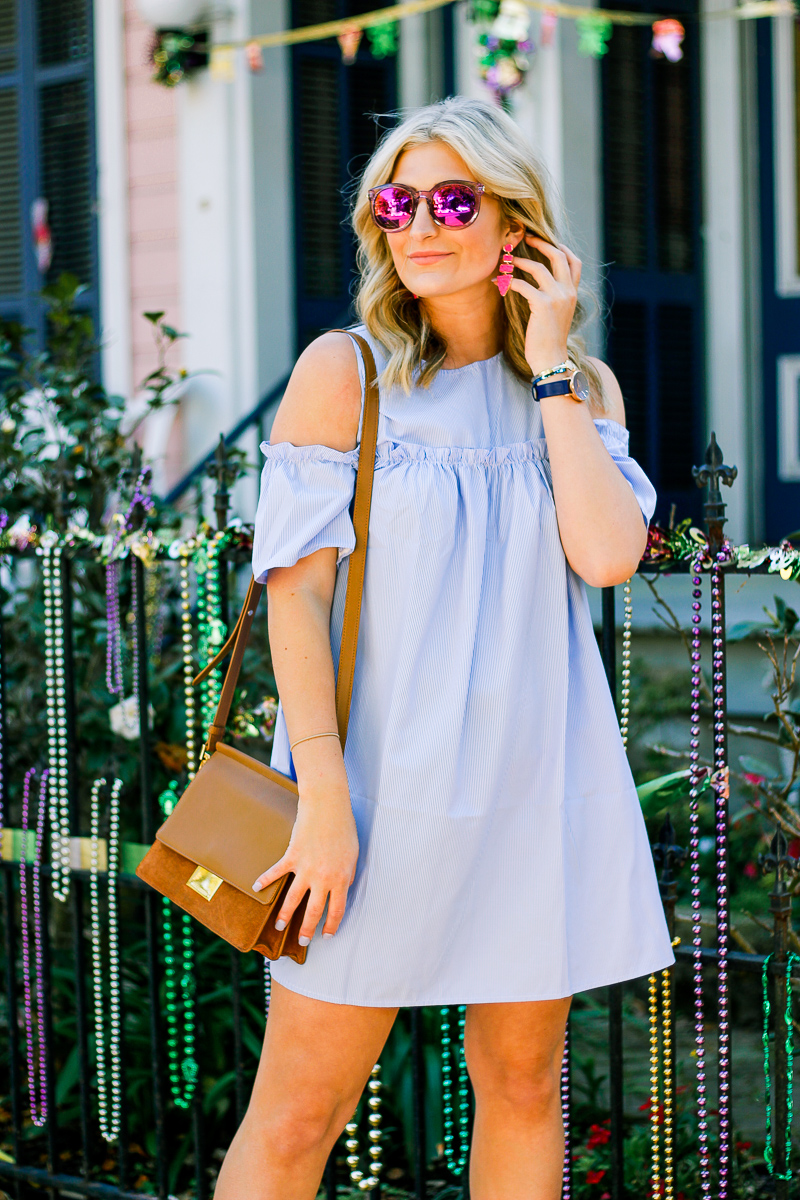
(152, 195)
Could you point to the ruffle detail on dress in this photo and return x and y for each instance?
(303, 505)
(392, 453)
(615, 439)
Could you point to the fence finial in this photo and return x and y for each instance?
(713, 472)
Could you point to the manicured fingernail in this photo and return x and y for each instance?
(279, 925)
(257, 886)
(327, 936)
(303, 940)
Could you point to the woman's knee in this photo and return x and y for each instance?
(300, 1124)
(528, 1086)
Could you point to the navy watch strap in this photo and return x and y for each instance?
(560, 387)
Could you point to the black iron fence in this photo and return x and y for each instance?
(162, 1144)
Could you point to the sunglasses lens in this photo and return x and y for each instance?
(454, 204)
(392, 208)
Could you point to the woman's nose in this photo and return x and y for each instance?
(423, 223)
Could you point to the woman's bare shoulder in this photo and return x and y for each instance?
(615, 405)
(322, 401)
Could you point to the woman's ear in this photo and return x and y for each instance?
(514, 233)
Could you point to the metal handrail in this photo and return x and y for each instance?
(230, 439)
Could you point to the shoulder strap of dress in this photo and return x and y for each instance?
(237, 641)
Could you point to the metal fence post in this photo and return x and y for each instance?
(615, 1047)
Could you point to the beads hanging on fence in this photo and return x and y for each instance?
(625, 701)
(696, 773)
(720, 781)
(188, 668)
(367, 1182)
(36, 1091)
(662, 1107)
(109, 1095)
(454, 1047)
(566, 1119)
(50, 553)
(182, 1069)
(211, 628)
(267, 988)
(788, 1024)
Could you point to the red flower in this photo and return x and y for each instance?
(598, 1136)
(743, 1145)
(751, 870)
(794, 847)
(755, 780)
(594, 1176)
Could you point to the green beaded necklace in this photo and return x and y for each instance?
(769, 1153)
(210, 626)
(182, 1071)
(454, 1047)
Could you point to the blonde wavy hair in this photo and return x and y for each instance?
(496, 155)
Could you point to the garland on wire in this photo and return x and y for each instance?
(109, 1093)
(769, 1152)
(36, 1092)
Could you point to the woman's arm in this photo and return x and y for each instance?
(599, 518)
(321, 406)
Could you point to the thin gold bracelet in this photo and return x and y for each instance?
(310, 738)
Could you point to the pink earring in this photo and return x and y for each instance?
(506, 270)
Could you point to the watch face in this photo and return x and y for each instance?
(579, 386)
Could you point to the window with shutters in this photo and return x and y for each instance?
(652, 227)
(334, 135)
(46, 152)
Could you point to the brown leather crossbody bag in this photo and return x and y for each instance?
(235, 818)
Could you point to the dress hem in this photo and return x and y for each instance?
(659, 964)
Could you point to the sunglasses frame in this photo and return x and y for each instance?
(427, 196)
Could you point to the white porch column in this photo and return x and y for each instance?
(724, 234)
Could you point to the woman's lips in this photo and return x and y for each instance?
(421, 259)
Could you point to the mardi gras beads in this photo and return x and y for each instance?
(56, 701)
(695, 779)
(109, 1090)
(454, 1046)
(211, 628)
(662, 1108)
(367, 1183)
(721, 788)
(627, 622)
(181, 1069)
(36, 1092)
(769, 1152)
(566, 1105)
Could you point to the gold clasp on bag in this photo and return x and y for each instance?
(204, 882)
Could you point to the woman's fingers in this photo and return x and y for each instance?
(336, 906)
(559, 264)
(297, 889)
(313, 913)
(538, 270)
(575, 264)
(277, 871)
(531, 293)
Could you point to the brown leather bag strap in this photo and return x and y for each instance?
(355, 578)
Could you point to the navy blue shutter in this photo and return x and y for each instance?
(47, 148)
(334, 135)
(651, 145)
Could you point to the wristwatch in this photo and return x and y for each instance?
(575, 385)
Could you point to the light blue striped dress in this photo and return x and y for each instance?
(503, 854)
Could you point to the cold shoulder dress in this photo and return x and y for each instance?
(503, 854)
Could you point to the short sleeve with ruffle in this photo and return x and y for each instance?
(615, 440)
(303, 505)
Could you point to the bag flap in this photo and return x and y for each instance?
(235, 819)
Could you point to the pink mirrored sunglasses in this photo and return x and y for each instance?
(454, 204)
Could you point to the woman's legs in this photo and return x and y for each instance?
(514, 1056)
(314, 1065)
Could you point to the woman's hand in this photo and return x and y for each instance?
(552, 302)
(322, 854)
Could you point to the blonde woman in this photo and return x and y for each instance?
(481, 842)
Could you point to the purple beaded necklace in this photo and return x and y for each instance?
(696, 774)
(720, 783)
(37, 1093)
(566, 1184)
